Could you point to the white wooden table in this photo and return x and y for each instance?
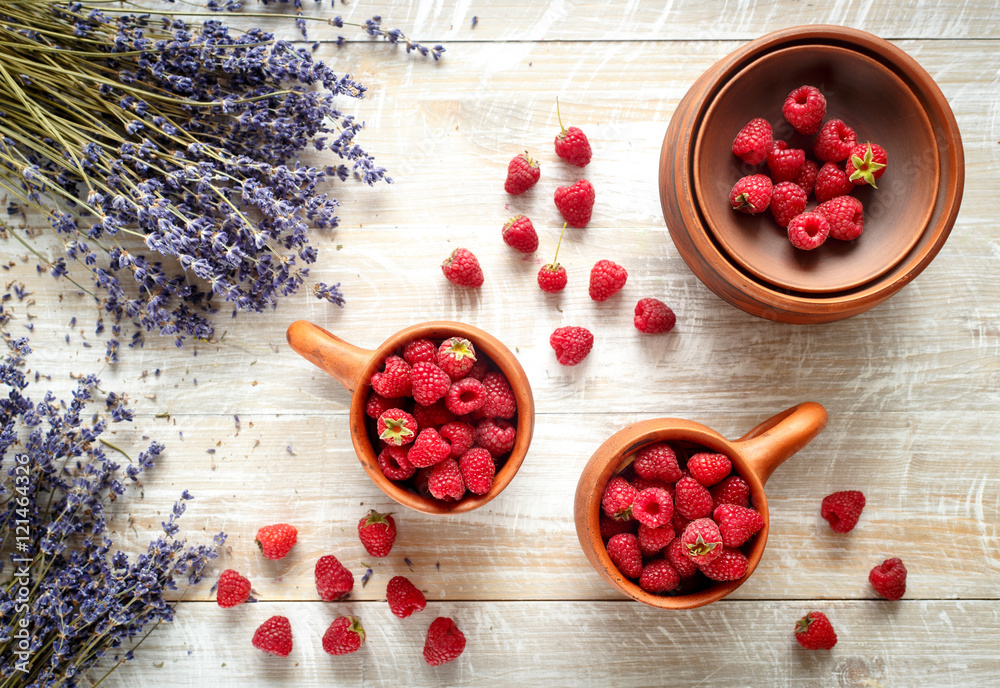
(911, 386)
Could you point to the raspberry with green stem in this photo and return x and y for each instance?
(552, 276)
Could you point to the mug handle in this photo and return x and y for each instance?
(340, 359)
(769, 444)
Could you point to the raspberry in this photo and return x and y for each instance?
(377, 405)
(732, 490)
(785, 163)
(658, 462)
(807, 177)
(479, 370)
(420, 481)
(737, 524)
(571, 144)
(679, 521)
(571, 344)
(708, 468)
(420, 350)
(404, 597)
(522, 174)
(846, 216)
(805, 108)
(462, 269)
(445, 481)
(576, 203)
(444, 642)
(552, 276)
(233, 589)
(500, 402)
(676, 554)
(611, 527)
(751, 194)
(377, 533)
(274, 636)
(653, 540)
(692, 499)
(843, 509)
(344, 636)
(831, 182)
(465, 396)
(461, 436)
(394, 464)
(477, 469)
(333, 581)
(456, 356)
(652, 316)
(396, 427)
(731, 564)
(606, 280)
(788, 200)
(866, 164)
(495, 436)
(808, 231)
(429, 449)
(275, 541)
(659, 577)
(640, 483)
(653, 507)
(753, 142)
(434, 415)
(394, 380)
(889, 578)
(815, 632)
(702, 541)
(624, 552)
(430, 383)
(834, 141)
(617, 498)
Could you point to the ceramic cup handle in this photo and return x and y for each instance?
(340, 359)
(768, 445)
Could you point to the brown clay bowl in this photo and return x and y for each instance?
(353, 367)
(727, 275)
(754, 457)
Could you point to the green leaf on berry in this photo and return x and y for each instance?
(865, 168)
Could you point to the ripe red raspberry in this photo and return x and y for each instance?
(396, 427)
(522, 174)
(805, 108)
(653, 507)
(445, 481)
(753, 142)
(702, 541)
(520, 234)
(404, 597)
(843, 509)
(831, 182)
(846, 216)
(233, 589)
(606, 280)
(652, 316)
(624, 552)
(552, 276)
(420, 481)
(658, 462)
(377, 405)
(834, 141)
(785, 163)
(692, 499)
(571, 344)
(571, 144)
(708, 468)
(275, 541)
(807, 177)
(377, 533)
(495, 436)
(808, 231)
(434, 415)
(333, 580)
(889, 578)
(618, 497)
(788, 200)
(659, 577)
(274, 636)
(736, 523)
(465, 396)
(444, 642)
(640, 483)
(456, 356)
(866, 163)
(420, 350)
(477, 469)
(611, 527)
(676, 554)
(731, 564)
(394, 380)
(462, 269)
(500, 402)
(460, 435)
(815, 632)
(576, 203)
(479, 370)
(653, 540)
(751, 194)
(394, 464)
(732, 490)
(679, 522)
(344, 636)
(430, 383)
(429, 449)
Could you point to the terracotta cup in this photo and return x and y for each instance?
(353, 367)
(754, 457)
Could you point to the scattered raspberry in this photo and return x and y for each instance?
(522, 174)
(344, 636)
(846, 216)
(676, 554)
(624, 552)
(785, 163)
(753, 142)
(477, 469)
(702, 541)
(462, 269)
(429, 449)
(843, 509)
(788, 201)
(659, 577)
(815, 632)
(495, 436)
(751, 194)
(377, 405)
(831, 182)
(692, 499)
(653, 540)
(866, 164)
(737, 524)
(461, 436)
(653, 507)
(465, 396)
(500, 402)
(377, 533)
(732, 564)
(618, 497)
(732, 490)
(333, 581)
(445, 481)
(420, 350)
(571, 344)
(444, 642)
(404, 597)
(652, 316)
(808, 231)
(394, 464)
(889, 578)
(233, 589)
(571, 144)
(456, 357)
(275, 541)
(606, 280)
(552, 276)
(708, 468)
(434, 415)
(397, 427)
(658, 462)
(611, 527)
(394, 380)
(807, 176)
(576, 203)
(274, 636)
(430, 383)
(805, 108)
(834, 141)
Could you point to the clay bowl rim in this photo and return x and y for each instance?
(508, 364)
(618, 449)
(714, 219)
